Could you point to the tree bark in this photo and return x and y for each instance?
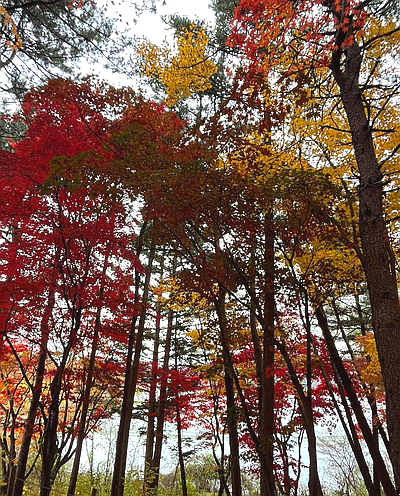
(314, 484)
(266, 416)
(49, 442)
(88, 385)
(355, 404)
(131, 382)
(155, 464)
(350, 429)
(180, 451)
(376, 249)
(151, 414)
(230, 397)
(127, 394)
(35, 400)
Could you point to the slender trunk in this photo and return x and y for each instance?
(179, 431)
(368, 388)
(350, 429)
(258, 355)
(375, 434)
(85, 407)
(127, 400)
(233, 435)
(122, 442)
(307, 414)
(49, 442)
(152, 406)
(230, 396)
(377, 252)
(11, 480)
(247, 415)
(219, 458)
(35, 400)
(127, 392)
(180, 450)
(88, 385)
(267, 424)
(4, 471)
(355, 404)
(155, 464)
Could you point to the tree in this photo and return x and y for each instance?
(331, 35)
(50, 37)
(60, 246)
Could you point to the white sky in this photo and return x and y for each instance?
(150, 24)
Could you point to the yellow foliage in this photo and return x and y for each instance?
(187, 71)
(371, 372)
(15, 42)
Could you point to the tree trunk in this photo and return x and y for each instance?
(35, 400)
(369, 391)
(126, 399)
(307, 414)
(180, 451)
(377, 253)
(155, 464)
(127, 405)
(230, 396)
(266, 416)
(11, 480)
(4, 471)
(88, 386)
(49, 442)
(350, 429)
(355, 404)
(152, 406)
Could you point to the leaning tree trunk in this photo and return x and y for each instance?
(314, 483)
(377, 253)
(355, 404)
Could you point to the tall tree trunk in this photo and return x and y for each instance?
(151, 414)
(88, 385)
(266, 417)
(123, 434)
(152, 484)
(377, 252)
(368, 389)
(349, 429)
(127, 393)
(230, 396)
(180, 450)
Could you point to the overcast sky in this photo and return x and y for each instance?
(150, 24)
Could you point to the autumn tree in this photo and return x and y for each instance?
(60, 246)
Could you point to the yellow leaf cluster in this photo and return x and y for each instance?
(187, 71)
(15, 43)
(371, 373)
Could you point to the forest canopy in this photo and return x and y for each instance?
(209, 262)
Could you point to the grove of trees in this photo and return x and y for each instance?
(219, 259)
